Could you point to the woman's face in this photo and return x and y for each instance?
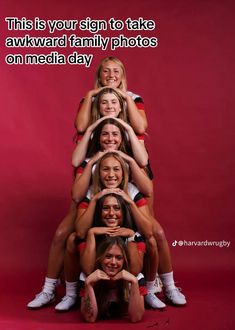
(111, 212)
(109, 105)
(110, 138)
(111, 172)
(110, 74)
(113, 261)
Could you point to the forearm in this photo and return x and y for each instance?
(89, 309)
(136, 303)
(84, 222)
(80, 151)
(142, 221)
(84, 114)
(139, 151)
(141, 180)
(81, 184)
(137, 117)
(87, 256)
(136, 258)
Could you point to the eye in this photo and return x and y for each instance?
(117, 208)
(119, 258)
(108, 256)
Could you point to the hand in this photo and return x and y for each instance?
(122, 231)
(104, 231)
(96, 276)
(94, 92)
(124, 195)
(125, 156)
(96, 157)
(91, 128)
(105, 191)
(125, 275)
(124, 124)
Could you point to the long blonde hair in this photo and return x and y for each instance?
(97, 184)
(123, 85)
(95, 111)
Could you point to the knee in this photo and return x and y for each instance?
(60, 237)
(71, 243)
(158, 232)
(151, 244)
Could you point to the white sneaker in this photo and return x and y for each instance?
(157, 285)
(66, 303)
(153, 301)
(41, 299)
(175, 296)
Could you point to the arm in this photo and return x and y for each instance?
(139, 177)
(80, 151)
(87, 256)
(138, 148)
(83, 117)
(89, 308)
(141, 218)
(137, 117)
(136, 258)
(85, 217)
(136, 301)
(82, 181)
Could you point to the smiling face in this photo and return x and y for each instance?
(111, 74)
(111, 212)
(113, 261)
(111, 173)
(109, 105)
(110, 137)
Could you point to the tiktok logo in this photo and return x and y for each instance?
(174, 243)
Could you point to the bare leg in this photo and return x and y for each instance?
(165, 265)
(71, 260)
(58, 245)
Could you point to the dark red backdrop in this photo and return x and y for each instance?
(186, 83)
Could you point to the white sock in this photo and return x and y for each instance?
(50, 285)
(168, 281)
(71, 288)
(150, 286)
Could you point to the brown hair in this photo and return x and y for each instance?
(101, 289)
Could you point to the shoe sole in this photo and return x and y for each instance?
(45, 305)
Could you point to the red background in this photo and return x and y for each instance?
(187, 84)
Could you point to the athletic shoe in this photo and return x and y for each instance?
(153, 301)
(175, 296)
(41, 299)
(157, 285)
(66, 303)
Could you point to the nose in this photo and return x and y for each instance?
(110, 173)
(113, 261)
(110, 137)
(111, 211)
(109, 105)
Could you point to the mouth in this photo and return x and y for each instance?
(112, 182)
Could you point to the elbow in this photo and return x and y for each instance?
(74, 163)
(143, 163)
(80, 234)
(140, 130)
(137, 317)
(149, 192)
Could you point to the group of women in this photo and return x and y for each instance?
(109, 245)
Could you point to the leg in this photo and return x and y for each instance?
(165, 267)
(71, 270)
(55, 260)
